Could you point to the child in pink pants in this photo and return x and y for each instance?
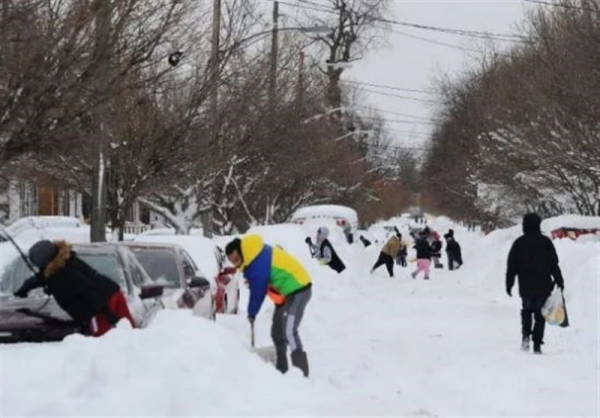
(423, 264)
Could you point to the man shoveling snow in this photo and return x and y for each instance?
(272, 271)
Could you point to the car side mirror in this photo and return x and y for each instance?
(151, 291)
(198, 282)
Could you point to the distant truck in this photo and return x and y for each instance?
(343, 216)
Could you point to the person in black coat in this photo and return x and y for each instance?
(453, 251)
(533, 259)
(423, 254)
(436, 252)
(325, 252)
(87, 296)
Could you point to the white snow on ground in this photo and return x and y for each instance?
(377, 346)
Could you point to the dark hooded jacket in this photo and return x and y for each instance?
(534, 260)
(423, 248)
(328, 253)
(78, 289)
(453, 249)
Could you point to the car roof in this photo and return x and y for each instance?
(96, 248)
(152, 244)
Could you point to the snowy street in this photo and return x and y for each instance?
(376, 346)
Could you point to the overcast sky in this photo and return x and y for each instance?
(413, 63)
(413, 58)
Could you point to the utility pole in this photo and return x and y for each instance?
(300, 94)
(206, 217)
(274, 53)
(102, 11)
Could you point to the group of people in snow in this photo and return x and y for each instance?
(428, 248)
(93, 299)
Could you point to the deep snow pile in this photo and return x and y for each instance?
(377, 346)
(180, 366)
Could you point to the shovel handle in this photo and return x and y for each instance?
(252, 334)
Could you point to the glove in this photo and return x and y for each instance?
(308, 240)
(561, 286)
(251, 319)
(509, 292)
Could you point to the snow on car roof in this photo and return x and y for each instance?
(328, 211)
(571, 221)
(201, 249)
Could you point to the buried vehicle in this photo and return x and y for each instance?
(38, 318)
(173, 268)
(212, 264)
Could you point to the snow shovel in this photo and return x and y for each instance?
(267, 354)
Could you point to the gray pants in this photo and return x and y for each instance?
(284, 331)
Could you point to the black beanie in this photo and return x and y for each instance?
(42, 253)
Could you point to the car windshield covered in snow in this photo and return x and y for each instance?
(160, 264)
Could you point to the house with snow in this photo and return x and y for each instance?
(20, 199)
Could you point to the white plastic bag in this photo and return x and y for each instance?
(553, 310)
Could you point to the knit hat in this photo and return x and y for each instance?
(42, 253)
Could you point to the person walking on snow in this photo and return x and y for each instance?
(90, 298)
(453, 251)
(388, 253)
(325, 252)
(436, 252)
(423, 255)
(274, 272)
(533, 259)
(402, 254)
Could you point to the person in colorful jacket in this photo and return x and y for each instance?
(274, 272)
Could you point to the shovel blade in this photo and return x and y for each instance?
(267, 354)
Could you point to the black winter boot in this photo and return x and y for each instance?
(282, 362)
(537, 348)
(300, 361)
(525, 343)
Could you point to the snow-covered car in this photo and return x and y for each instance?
(37, 223)
(39, 318)
(173, 268)
(212, 263)
(343, 216)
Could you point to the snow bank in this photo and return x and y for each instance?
(180, 366)
(376, 347)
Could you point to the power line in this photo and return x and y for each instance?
(392, 120)
(398, 96)
(429, 40)
(460, 32)
(406, 115)
(389, 87)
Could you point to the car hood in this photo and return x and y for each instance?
(11, 318)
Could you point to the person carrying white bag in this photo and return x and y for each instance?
(533, 259)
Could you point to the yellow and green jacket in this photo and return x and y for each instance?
(270, 270)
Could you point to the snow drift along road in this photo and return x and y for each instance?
(449, 346)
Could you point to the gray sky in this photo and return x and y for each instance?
(413, 64)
